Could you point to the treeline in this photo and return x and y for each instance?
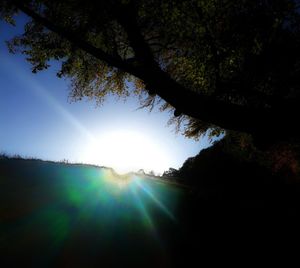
(234, 169)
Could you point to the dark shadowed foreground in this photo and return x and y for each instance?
(60, 215)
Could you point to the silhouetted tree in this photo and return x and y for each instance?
(234, 170)
(228, 64)
(141, 171)
(151, 173)
(172, 172)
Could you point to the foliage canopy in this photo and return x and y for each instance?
(218, 64)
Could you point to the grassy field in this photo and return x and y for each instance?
(62, 215)
(73, 215)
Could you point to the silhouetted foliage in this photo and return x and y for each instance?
(141, 171)
(217, 64)
(151, 173)
(285, 161)
(3, 156)
(172, 172)
(233, 169)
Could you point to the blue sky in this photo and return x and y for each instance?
(38, 120)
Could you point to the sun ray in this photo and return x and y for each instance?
(155, 200)
(45, 95)
(123, 149)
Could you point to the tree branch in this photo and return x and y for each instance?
(76, 40)
(205, 108)
(223, 114)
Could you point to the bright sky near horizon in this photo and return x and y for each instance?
(37, 120)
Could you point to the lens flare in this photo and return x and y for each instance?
(120, 181)
(68, 206)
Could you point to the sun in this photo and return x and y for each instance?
(126, 151)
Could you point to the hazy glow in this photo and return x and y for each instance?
(126, 151)
(118, 181)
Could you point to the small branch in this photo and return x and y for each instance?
(76, 40)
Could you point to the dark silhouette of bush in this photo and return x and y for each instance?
(171, 173)
(240, 174)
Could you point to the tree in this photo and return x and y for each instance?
(218, 64)
(141, 171)
(172, 172)
(151, 173)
